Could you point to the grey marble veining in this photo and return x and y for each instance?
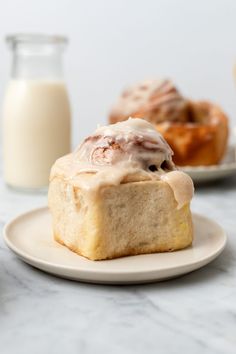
(196, 313)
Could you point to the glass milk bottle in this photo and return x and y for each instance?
(36, 111)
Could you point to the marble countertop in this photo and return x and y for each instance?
(196, 313)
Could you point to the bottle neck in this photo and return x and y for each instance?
(36, 56)
(33, 66)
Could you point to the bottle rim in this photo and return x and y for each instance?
(39, 38)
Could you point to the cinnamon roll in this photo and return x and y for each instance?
(196, 131)
(119, 194)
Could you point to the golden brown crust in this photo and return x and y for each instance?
(202, 141)
(127, 252)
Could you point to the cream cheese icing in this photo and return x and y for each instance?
(113, 153)
(134, 140)
(182, 186)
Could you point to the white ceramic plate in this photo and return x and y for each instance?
(30, 237)
(210, 173)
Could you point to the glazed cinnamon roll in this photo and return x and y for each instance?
(119, 194)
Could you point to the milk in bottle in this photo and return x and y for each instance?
(36, 111)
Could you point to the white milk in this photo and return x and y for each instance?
(36, 130)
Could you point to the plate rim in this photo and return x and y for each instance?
(213, 168)
(32, 260)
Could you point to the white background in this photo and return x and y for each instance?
(117, 42)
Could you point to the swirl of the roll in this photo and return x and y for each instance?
(134, 141)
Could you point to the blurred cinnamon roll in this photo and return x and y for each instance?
(196, 131)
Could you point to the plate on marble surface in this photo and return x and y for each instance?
(211, 173)
(29, 236)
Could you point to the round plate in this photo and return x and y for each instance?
(30, 237)
(210, 173)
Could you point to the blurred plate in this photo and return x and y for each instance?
(30, 237)
(210, 173)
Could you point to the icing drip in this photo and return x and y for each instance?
(182, 186)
